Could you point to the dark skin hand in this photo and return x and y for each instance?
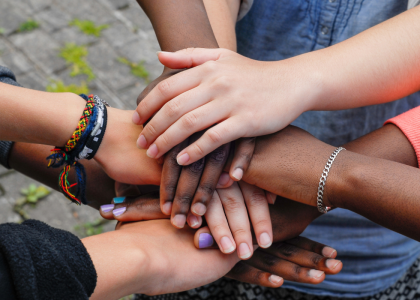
(293, 258)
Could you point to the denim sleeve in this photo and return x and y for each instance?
(6, 76)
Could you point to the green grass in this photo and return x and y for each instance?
(57, 86)
(28, 25)
(31, 195)
(91, 228)
(137, 69)
(2, 31)
(88, 27)
(75, 56)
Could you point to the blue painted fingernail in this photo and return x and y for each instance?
(205, 240)
(119, 200)
(107, 207)
(119, 211)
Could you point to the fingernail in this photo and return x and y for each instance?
(224, 179)
(179, 221)
(227, 246)
(315, 273)
(244, 251)
(119, 211)
(328, 251)
(205, 240)
(167, 208)
(332, 263)
(152, 152)
(183, 159)
(119, 200)
(107, 207)
(141, 142)
(271, 197)
(265, 240)
(193, 221)
(199, 209)
(136, 118)
(238, 173)
(275, 279)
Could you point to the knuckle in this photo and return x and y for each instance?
(198, 150)
(317, 260)
(222, 83)
(219, 155)
(239, 232)
(184, 200)
(218, 228)
(197, 167)
(169, 192)
(205, 190)
(257, 198)
(231, 204)
(150, 129)
(210, 66)
(189, 120)
(286, 250)
(297, 272)
(214, 136)
(172, 108)
(164, 87)
(268, 260)
(261, 224)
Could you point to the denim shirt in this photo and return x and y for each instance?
(374, 258)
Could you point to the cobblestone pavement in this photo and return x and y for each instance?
(34, 56)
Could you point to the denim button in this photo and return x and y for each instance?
(324, 30)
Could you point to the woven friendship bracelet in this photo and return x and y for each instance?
(320, 195)
(83, 144)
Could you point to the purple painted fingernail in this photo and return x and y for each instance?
(107, 207)
(119, 211)
(205, 240)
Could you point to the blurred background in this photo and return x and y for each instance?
(104, 47)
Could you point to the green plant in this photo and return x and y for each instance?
(57, 86)
(28, 25)
(75, 56)
(137, 69)
(91, 228)
(2, 31)
(31, 195)
(88, 27)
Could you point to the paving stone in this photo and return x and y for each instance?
(136, 15)
(105, 61)
(41, 49)
(53, 19)
(129, 95)
(17, 62)
(118, 35)
(87, 10)
(33, 80)
(37, 5)
(119, 4)
(73, 35)
(10, 17)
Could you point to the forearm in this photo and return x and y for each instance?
(376, 66)
(29, 159)
(37, 117)
(180, 24)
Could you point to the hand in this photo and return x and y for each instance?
(243, 97)
(185, 192)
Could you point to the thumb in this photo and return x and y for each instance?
(189, 58)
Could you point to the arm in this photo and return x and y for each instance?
(376, 66)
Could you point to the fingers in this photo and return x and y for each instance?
(194, 221)
(213, 169)
(213, 138)
(190, 57)
(171, 171)
(236, 213)
(165, 91)
(187, 185)
(186, 112)
(305, 258)
(128, 209)
(286, 269)
(218, 225)
(246, 273)
(259, 213)
(224, 181)
(313, 246)
(244, 149)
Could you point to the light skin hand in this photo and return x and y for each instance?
(217, 76)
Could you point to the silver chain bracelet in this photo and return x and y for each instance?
(319, 203)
